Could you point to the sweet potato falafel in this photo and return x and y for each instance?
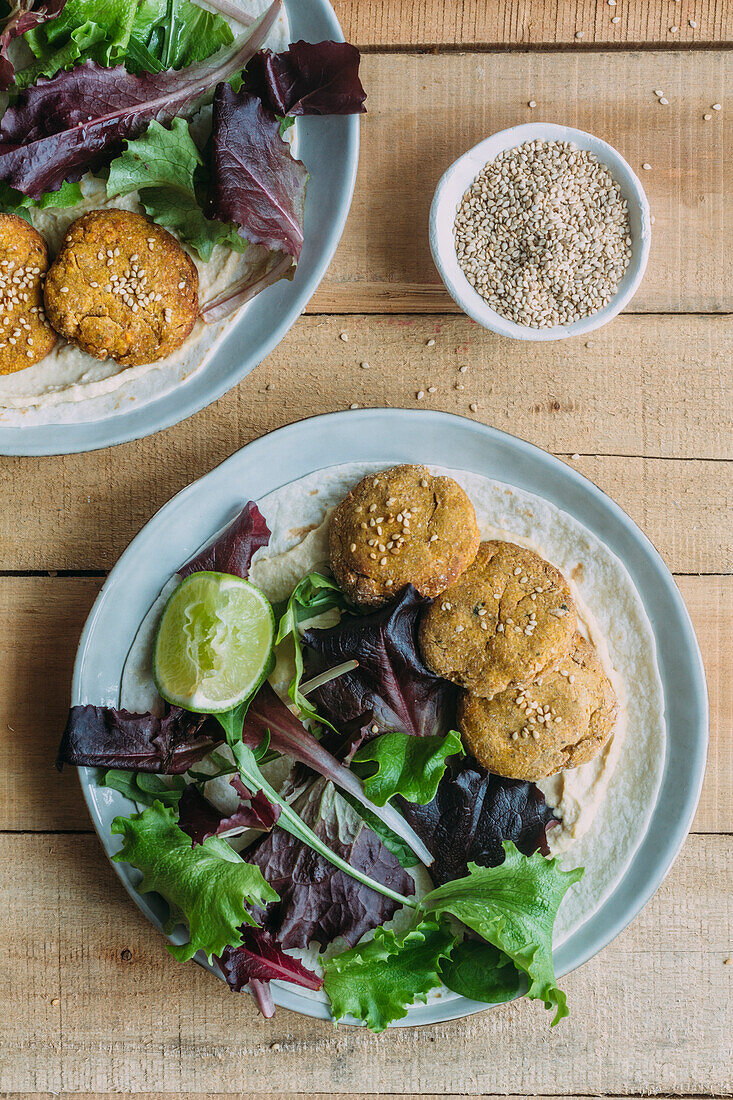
(560, 721)
(25, 334)
(122, 288)
(509, 618)
(401, 526)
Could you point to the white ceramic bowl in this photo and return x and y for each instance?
(458, 179)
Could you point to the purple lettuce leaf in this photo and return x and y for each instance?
(391, 683)
(255, 180)
(267, 714)
(471, 816)
(260, 958)
(262, 997)
(233, 550)
(200, 819)
(24, 16)
(103, 737)
(318, 902)
(77, 120)
(309, 78)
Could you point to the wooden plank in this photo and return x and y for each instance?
(533, 23)
(284, 1096)
(42, 619)
(87, 1017)
(435, 107)
(656, 387)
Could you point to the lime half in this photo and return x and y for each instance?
(214, 642)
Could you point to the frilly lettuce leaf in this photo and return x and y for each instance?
(513, 906)
(162, 166)
(377, 981)
(209, 887)
(405, 765)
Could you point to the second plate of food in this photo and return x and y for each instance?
(173, 224)
(554, 626)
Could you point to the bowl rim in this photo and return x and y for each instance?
(464, 169)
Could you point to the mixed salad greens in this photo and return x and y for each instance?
(122, 90)
(377, 783)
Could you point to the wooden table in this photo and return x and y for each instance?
(92, 1002)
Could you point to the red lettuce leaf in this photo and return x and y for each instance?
(391, 683)
(267, 714)
(471, 816)
(102, 737)
(24, 16)
(255, 180)
(309, 78)
(260, 958)
(262, 997)
(200, 819)
(234, 549)
(317, 901)
(77, 120)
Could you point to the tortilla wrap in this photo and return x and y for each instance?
(621, 786)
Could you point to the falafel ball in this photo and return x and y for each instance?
(122, 288)
(560, 721)
(508, 619)
(25, 334)
(401, 526)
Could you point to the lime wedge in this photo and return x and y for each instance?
(214, 642)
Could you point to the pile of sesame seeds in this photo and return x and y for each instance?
(543, 234)
(537, 716)
(132, 285)
(387, 533)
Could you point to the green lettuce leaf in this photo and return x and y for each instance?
(513, 906)
(480, 971)
(208, 886)
(162, 165)
(144, 787)
(377, 981)
(314, 595)
(148, 35)
(406, 765)
(15, 202)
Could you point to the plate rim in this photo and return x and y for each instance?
(42, 440)
(676, 827)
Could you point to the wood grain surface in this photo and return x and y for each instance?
(528, 24)
(96, 1007)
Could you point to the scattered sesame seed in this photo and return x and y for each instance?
(344, 336)
(579, 34)
(658, 92)
(432, 389)
(420, 394)
(646, 167)
(463, 369)
(352, 547)
(364, 366)
(473, 407)
(353, 405)
(430, 343)
(64, 290)
(707, 117)
(612, 3)
(673, 30)
(531, 103)
(433, 538)
(182, 284)
(717, 106)
(664, 102)
(692, 23)
(616, 19)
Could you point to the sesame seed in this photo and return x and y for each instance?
(459, 629)
(658, 92)
(432, 389)
(707, 117)
(692, 23)
(517, 572)
(531, 103)
(430, 343)
(616, 19)
(433, 538)
(353, 405)
(352, 547)
(673, 30)
(420, 394)
(664, 102)
(473, 407)
(344, 336)
(64, 290)
(646, 167)
(579, 34)
(364, 366)
(423, 485)
(717, 106)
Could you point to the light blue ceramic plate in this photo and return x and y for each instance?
(391, 436)
(330, 149)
